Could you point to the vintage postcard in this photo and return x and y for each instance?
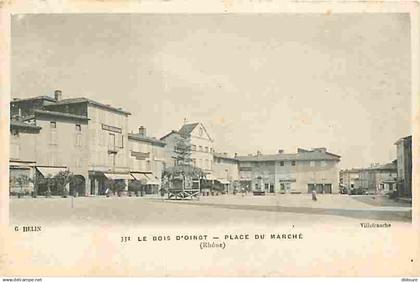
(209, 138)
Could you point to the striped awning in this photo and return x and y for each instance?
(51, 171)
(140, 176)
(118, 176)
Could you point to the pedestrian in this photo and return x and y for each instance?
(314, 195)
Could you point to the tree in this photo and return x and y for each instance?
(61, 179)
(135, 186)
(116, 186)
(182, 152)
(183, 168)
(22, 181)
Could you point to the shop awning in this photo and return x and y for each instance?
(210, 177)
(153, 182)
(118, 176)
(140, 176)
(223, 181)
(51, 171)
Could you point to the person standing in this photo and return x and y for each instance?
(314, 195)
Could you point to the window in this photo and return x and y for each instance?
(78, 140)
(53, 124)
(111, 141)
(193, 147)
(194, 162)
(312, 163)
(207, 164)
(121, 140)
(207, 149)
(78, 127)
(200, 148)
(53, 137)
(282, 163)
(293, 163)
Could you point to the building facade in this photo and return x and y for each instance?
(84, 136)
(200, 142)
(376, 179)
(146, 160)
(404, 166)
(350, 179)
(302, 172)
(226, 171)
(22, 158)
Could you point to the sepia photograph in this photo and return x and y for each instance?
(190, 115)
(286, 138)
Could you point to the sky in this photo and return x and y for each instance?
(257, 82)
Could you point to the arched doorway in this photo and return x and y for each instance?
(78, 186)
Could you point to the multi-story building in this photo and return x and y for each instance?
(404, 166)
(107, 140)
(146, 160)
(26, 107)
(226, 171)
(376, 179)
(200, 142)
(301, 172)
(87, 137)
(23, 139)
(60, 145)
(350, 179)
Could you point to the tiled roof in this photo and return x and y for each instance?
(223, 156)
(388, 166)
(16, 123)
(17, 100)
(86, 100)
(60, 114)
(302, 156)
(186, 129)
(170, 133)
(136, 136)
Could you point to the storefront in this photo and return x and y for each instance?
(103, 182)
(45, 182)
(21, 177)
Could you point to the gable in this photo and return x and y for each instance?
(201, 132)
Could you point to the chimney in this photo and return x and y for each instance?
(280, 151)
(236, 155)
(142, 131)
(258, 153)
(57, 95)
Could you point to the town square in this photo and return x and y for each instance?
(81, 152)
